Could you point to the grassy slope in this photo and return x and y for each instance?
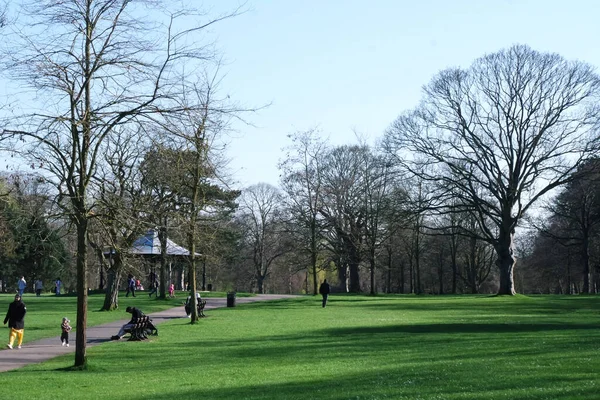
(470, 347)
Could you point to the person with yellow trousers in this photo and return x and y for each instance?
(15, 318)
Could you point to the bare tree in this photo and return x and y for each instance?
(199, 135)
(3, 13)
(344, 212)
(100, 64)
(499, 136)
(575, 216)
(260, 212)
(121, 209)
(301, 181)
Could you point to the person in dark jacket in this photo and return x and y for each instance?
(15, 318)
(324, 290)
(136, 313)
(130, 286)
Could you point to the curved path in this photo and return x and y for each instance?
(45, 349)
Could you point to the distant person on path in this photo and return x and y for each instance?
(21, 285)
(324, 291)
(57, 285)
(136, 313)
(65, 328)
(171, 290)
(15, 318)
(38, 287)
(130, 286)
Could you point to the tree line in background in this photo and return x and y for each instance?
(132, 138)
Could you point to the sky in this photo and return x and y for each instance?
(351, 67)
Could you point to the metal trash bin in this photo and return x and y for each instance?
(230, 299)
(209, 287)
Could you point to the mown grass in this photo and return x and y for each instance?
(359, 347)
(45, 313)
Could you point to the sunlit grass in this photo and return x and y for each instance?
(359, 347)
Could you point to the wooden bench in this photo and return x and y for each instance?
(201, 305)
(141, 328)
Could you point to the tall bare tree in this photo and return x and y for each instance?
(99, 64)
(121, 206)
(344, 212)
(575, 216)
(200, 135)
(302, 182)
(498, 136)
(261, 218)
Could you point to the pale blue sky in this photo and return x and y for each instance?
(346, 66)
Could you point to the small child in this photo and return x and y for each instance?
(66, 328)
(171, 290)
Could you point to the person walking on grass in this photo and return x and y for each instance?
(22, 284)
(324, 291)
(65, 328)
(154, 290)
(15, 318)
(57, 285)
(130, 286)
(38, 287)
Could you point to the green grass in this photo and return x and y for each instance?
(359, 347)
(45, 313)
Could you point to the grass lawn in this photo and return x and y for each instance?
(359, 347)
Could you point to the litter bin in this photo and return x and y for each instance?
(230, 299)
(209, 287)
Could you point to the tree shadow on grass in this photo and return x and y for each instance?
(456, 328)
(395, 383)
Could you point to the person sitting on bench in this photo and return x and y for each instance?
(136, 313)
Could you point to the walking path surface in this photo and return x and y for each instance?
(45, 349)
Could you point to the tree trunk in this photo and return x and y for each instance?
(260, 284)
(441, 277)
(82, 294)
(389, 272)
(342, 276)
(506, 263)
(372, 262)
(313, 256)
(585, 254)
(354, 277)
(192, 276)
(111, 298)
(162, 238)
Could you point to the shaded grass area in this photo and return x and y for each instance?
(45, 313)
(359, 347)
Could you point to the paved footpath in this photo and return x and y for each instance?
(45, 349)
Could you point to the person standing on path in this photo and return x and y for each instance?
(21, 285)
(324, 291)
(15, 318)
